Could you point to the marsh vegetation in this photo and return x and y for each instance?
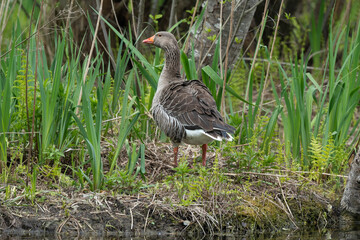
(77, 140)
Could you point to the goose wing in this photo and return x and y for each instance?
(192, 104)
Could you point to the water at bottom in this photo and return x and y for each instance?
(286, 235)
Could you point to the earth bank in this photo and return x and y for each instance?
(187, 200)
(260, 206)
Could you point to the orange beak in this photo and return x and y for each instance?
(149, 40)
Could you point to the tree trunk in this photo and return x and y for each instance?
(351, 197)
(350, 202)
(210, 27)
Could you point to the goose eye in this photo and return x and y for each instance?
(159, 35)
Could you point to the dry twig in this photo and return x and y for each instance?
(90, 53)
(227, 55)
(270, 57)
(288, 211)
(191, 23)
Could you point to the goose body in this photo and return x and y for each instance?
(184, 110)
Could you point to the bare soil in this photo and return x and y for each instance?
(246, 203)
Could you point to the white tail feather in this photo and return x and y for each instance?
(199, 137)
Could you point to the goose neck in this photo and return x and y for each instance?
(172, 61)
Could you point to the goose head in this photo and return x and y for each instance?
(168, 43)
(164, 40)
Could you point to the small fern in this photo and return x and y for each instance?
(20, 91)
(326, 158)
(319, 158)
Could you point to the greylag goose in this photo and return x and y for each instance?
(184, 110)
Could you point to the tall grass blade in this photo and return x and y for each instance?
(122, 62)
(217, 79)
(49, 96)
(6, 83)
(125, 126)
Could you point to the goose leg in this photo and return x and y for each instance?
(176, 149)
(204, 148)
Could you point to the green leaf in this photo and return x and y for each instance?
(217, 79)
